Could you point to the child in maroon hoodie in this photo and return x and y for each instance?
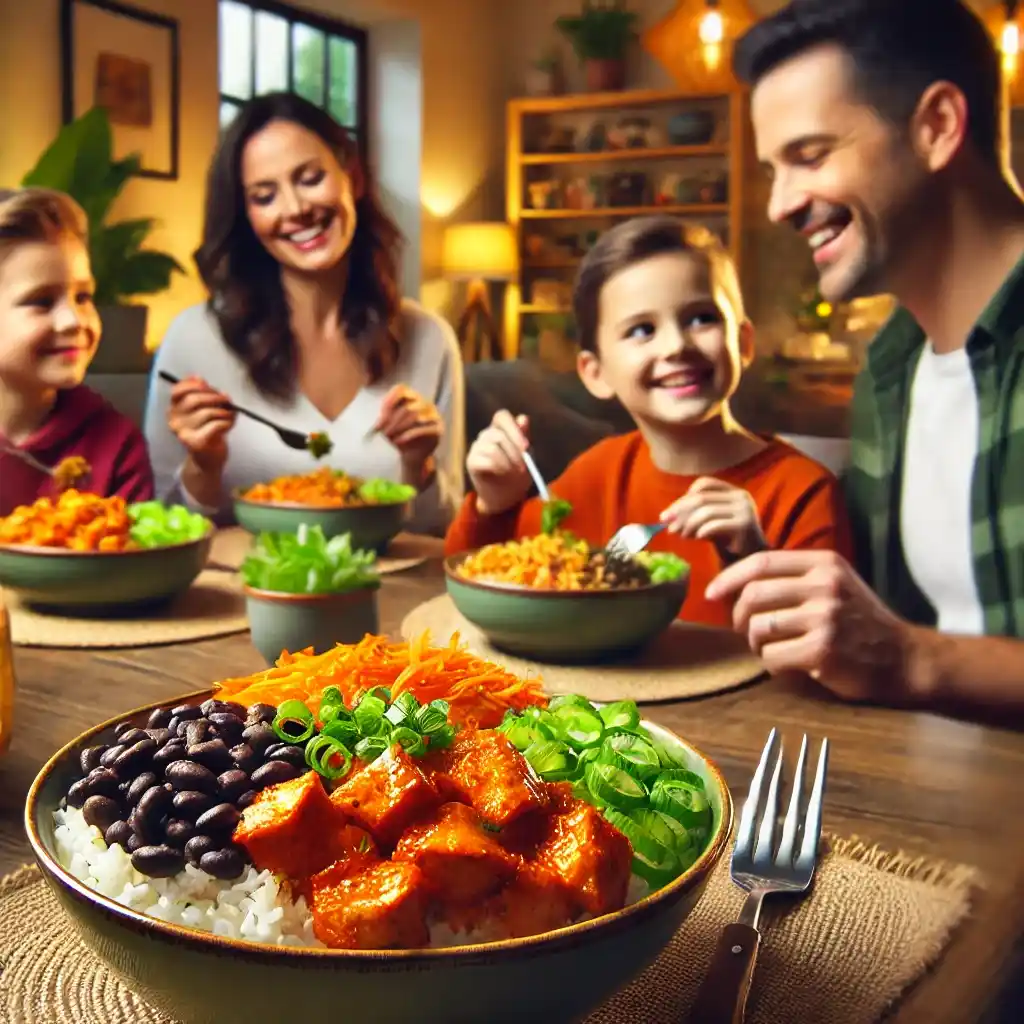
(49, 332)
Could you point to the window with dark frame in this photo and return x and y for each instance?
(270, 47)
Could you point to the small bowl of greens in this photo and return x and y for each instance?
(304, 590)
(370, 511)
(85, 555)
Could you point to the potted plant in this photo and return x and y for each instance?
(600, 36)
(542, 75)
(302, 590)
(80, 162)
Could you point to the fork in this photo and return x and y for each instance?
(632, 538)
(538, 480)
(722, 998)
(293, 438)
(31, 460)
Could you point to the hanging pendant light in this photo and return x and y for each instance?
(1004, 23)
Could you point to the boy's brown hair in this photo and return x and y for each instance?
(640, 239)
(38, 215)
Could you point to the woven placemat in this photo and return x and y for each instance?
(684, 661)
(874, 923)
(213, 606)
(406, 551)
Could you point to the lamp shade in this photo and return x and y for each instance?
(480, 250)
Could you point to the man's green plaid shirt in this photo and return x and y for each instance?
(878, 428)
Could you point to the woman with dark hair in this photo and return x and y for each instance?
(305, 326)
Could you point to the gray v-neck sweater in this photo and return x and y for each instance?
(430, 363)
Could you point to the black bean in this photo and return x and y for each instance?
(182, 731)
(179, 832)
(259, 737)
(196, 731)
(197, 846)
(135, 842)
(159, 718)
(101, 811)
(219, 819)
(233, 784)
(293, 755)
(158, 861)
(227, 726)
(135, 758)
(222, 864)
(227, 707)
(111, 754)
(172, 725)
(190, 775)
(260, 713)
(103, 782)
(274, 772)
(90, 758)
(150, 811)
(139, 786)
(245, 757)
(168, 754)
(159, 736)
(133, 736)
(120, 832)
(245, 799)
(122, 727)
(214, 754)
(79, 792)
(190, 803)
(186, 712)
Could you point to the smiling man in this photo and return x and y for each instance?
(879, 122)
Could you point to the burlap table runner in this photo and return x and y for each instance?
(685, 661)
(213, 606)
(404, 552)
(874, 924)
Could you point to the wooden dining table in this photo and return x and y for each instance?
(913, 781)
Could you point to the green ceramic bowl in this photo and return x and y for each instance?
(101, 582)
(292, 622)
(564, 625)
(197, 978)
(372, 526)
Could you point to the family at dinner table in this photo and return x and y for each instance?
(881, 128)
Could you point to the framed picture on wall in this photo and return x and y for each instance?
(127, 61)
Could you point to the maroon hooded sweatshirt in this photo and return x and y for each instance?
(81, 423)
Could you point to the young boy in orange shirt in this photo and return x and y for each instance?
(662, 328)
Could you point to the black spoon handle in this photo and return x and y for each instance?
(171, 379)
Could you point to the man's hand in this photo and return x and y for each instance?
(809, 611)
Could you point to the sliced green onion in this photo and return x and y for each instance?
(581, 727)
(682, 775)
(623, 714)
(442, 738)
(294, 722)
(409, 740)
(666, 830)
(615, 787)
(397, 715)
(343, 730)
(369, 715)
(658, 871)
(431, 718)
(407, 702)
(581, 791)
(369, 748)
(639, 838)
(331, 695)
(552, 760)
(670, 755)
(380, 692)
(327, 757)
(679, 800)
(642, 757)
(570, 700)
(522, 733)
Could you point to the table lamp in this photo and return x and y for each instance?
(479, 252)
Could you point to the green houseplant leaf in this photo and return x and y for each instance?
(601, 31)
(80, 162)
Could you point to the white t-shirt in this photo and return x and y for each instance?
(938, 470)
(430, 364)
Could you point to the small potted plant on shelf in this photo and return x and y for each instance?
(542, 76)
(302, 590)
(600, 35)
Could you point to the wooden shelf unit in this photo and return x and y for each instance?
(725, 151)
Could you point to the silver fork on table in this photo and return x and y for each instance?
(631, 539)
(759, 870)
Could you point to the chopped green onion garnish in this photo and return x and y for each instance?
(664, 829)
(682, 775)
(397, 715)
(343, 730)
(615, 787)
(331, 695)
(658, 871)
(552, 760)
(679, 800)
(294, 722)
(432, 718)
(369, 748)
(327, 757)
(369, 715)
(440, 739)
(641, 757)
(409, 740)
(407, 702)
(623, 714)
(573, 700)
(581, 727)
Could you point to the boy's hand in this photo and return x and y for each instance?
(495, 464)
(200, 420)
(714, 510)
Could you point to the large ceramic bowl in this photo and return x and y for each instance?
(372, 526)
(101, 582)
(196, 978)
(564, 625)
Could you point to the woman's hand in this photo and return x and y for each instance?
(200, 419)
(714, 510)
(415, 427)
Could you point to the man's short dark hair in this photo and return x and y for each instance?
(897, 47)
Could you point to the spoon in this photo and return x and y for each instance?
(52, 472)
(293, 438)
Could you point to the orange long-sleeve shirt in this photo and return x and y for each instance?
(616, 482)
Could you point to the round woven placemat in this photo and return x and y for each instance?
(685, 661)
(404, 552)
(213, 606)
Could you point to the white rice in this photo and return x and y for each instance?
(256, 907)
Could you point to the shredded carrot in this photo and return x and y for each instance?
(478, 691)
